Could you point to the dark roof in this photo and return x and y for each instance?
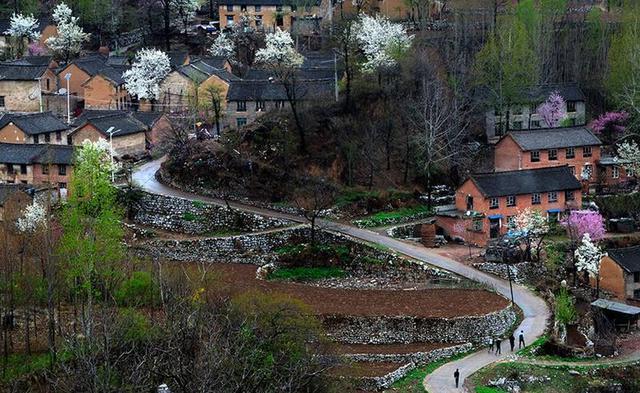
(90, 64)
(21, 72)
(258, 2)
(177, 58)
(117, 60)
(554, 138)
(199, 71)
(264, 90)
(114, 73)
(526, 181)
(32, 60)
(124, 121)
(13, 153)
(570, 92)
(618, 307)
(628, 258)
(303, 73)
(34, 123)
(148, 118)
(214, 61)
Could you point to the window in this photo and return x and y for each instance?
(469, 202)
(553, 217)
(279, 104)
(230, 20)
(535, 124)
(570, 152)
(511, 200)
(535, 156)
(259, 105)
(587, 171)
(511, 221)
(493, 203)
(45, 169)
(572, 169)
(62, 170)
(586, 151)
(258, 20)
(553, 196)
(553, 154)
(571, 106)
(10, 169)
(258, 8)
(62, 185)
(517, 125)
(636, 276)
(615, 172)
(636, 294)
(535, 198)
(241, 121)
(279, 20)
(569, 195)
(2, 102)
(48, 84)
(476, 225)
(243, 8)
(47, 138)
(10, 181)
(24, 182)
(229, 8)
(58, 136)
(241, 106)
(23, 169)
(69, 140)
(36, 139)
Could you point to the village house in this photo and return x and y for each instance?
(33, 128)
(177, 90)
(36, 164)
(21, 87)
(45, 28)
(620, 272)
(81, 70)
(178, 58)
(105, 89)
(612, 172)
(524, 116)
(485, 204)
(576, 147)
(267, 15)
(248, 99)
(134, 133)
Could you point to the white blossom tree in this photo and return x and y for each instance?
(183, 12)
(21, 28)
(381, 41)
(223, 46)
(588, 256)
(629, 157)
(34, 217)
(70, 36)
(532, 227)
(150, 67)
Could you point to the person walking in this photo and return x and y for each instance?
(521, 339)
(512, 342)
(456, 376)
(498, 350)
(490, 344)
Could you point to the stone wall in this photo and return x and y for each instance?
(522, 272)
(408, 329)
(416, 357)
(185, 216)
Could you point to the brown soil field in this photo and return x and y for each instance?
(365, 369)
(438, 303)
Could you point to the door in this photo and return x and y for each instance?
(494, 228)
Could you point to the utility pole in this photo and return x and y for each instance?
(67, 76)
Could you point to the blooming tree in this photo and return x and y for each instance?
(610, 125)
(579, 222)
(150, 67)
(70, 37)
(184, 11)
(553, 110)
(531, 227)
(36, 49)
(629, 157)
(588, 256)
(22, 27)
(381, 41)
(223, 46)
(34, 217)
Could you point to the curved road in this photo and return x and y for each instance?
(534, 308)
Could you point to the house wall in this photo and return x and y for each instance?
(177, 91)
(100, 93)
(612, 278)
(53, 177)
(122, 145)
(251, 114)
(49, 82)
(268, 13)
(20, 96)
(12, 134)
(159, 130)
(606, 178)
(16, 177)
(78, 77)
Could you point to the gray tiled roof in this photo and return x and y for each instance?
(34, 123)
(628, 258)
(32, 60)
(554, 138)
(21, 72)
(303, 73)
(177, 58)
(91, 64)
(257, 2)
(13, 153)
(127, 122)
(264, 90)
(200, 70)
(526, 181)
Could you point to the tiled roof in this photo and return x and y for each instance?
(34, 123)
(303, 73)
(13, 153)
(32, 60)
(264, 90)
(526, 181)
(214, 61)
(124, 121)
(177, 58)
(90, 64)
(21, 72)
(200, 70)
(257, 2)
(554, 138)
(628, 258)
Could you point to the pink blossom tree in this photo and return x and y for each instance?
(579, 222)
(610, 125)
(553, 110)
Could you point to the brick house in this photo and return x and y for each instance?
(576, 147)
(523, 116)
(36, 164)
(21, 86)
(38, 127)
(267, 15)
(611, 172)
(485, 203)
(620, 272)
(105, 89)
(177, 90)
(134, 132)
(248, 99)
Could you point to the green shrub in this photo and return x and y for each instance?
(134, 326)
(189, 216)
(306, 273)
(307, 255)
(138, 290)
(565, 309)
(394, 216)
(621, 205)
(487, 389)
(198, 204)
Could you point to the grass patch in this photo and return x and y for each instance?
(350, 196)
(198, 204)
(530, 350)
(306, 273)
(189, 216)
(412, 382)
(394, 216)
(487, 389)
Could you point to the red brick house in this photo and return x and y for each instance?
(620, 272)
(485, 203)
(575, 147)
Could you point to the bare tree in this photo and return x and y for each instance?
(313, 201)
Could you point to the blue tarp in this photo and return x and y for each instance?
(495, 216)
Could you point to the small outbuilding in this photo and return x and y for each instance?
(621, 315)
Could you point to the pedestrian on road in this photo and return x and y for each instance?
(456, 376)
(498, 350)
(521, 339)
(512, 342)
(490, 344)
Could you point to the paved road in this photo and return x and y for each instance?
(534, 309)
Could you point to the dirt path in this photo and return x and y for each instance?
(534, 308)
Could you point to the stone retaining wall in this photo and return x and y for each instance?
(416, 357)
(197, 218)
(408, 329)
(520, 272)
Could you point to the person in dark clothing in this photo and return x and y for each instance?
(498, 350)
(456, 376)
(512, 342)
(521, 339)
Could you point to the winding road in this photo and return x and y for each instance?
(534, 308)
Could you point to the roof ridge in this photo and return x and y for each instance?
(521, 170)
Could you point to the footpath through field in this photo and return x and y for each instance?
(441, 380)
